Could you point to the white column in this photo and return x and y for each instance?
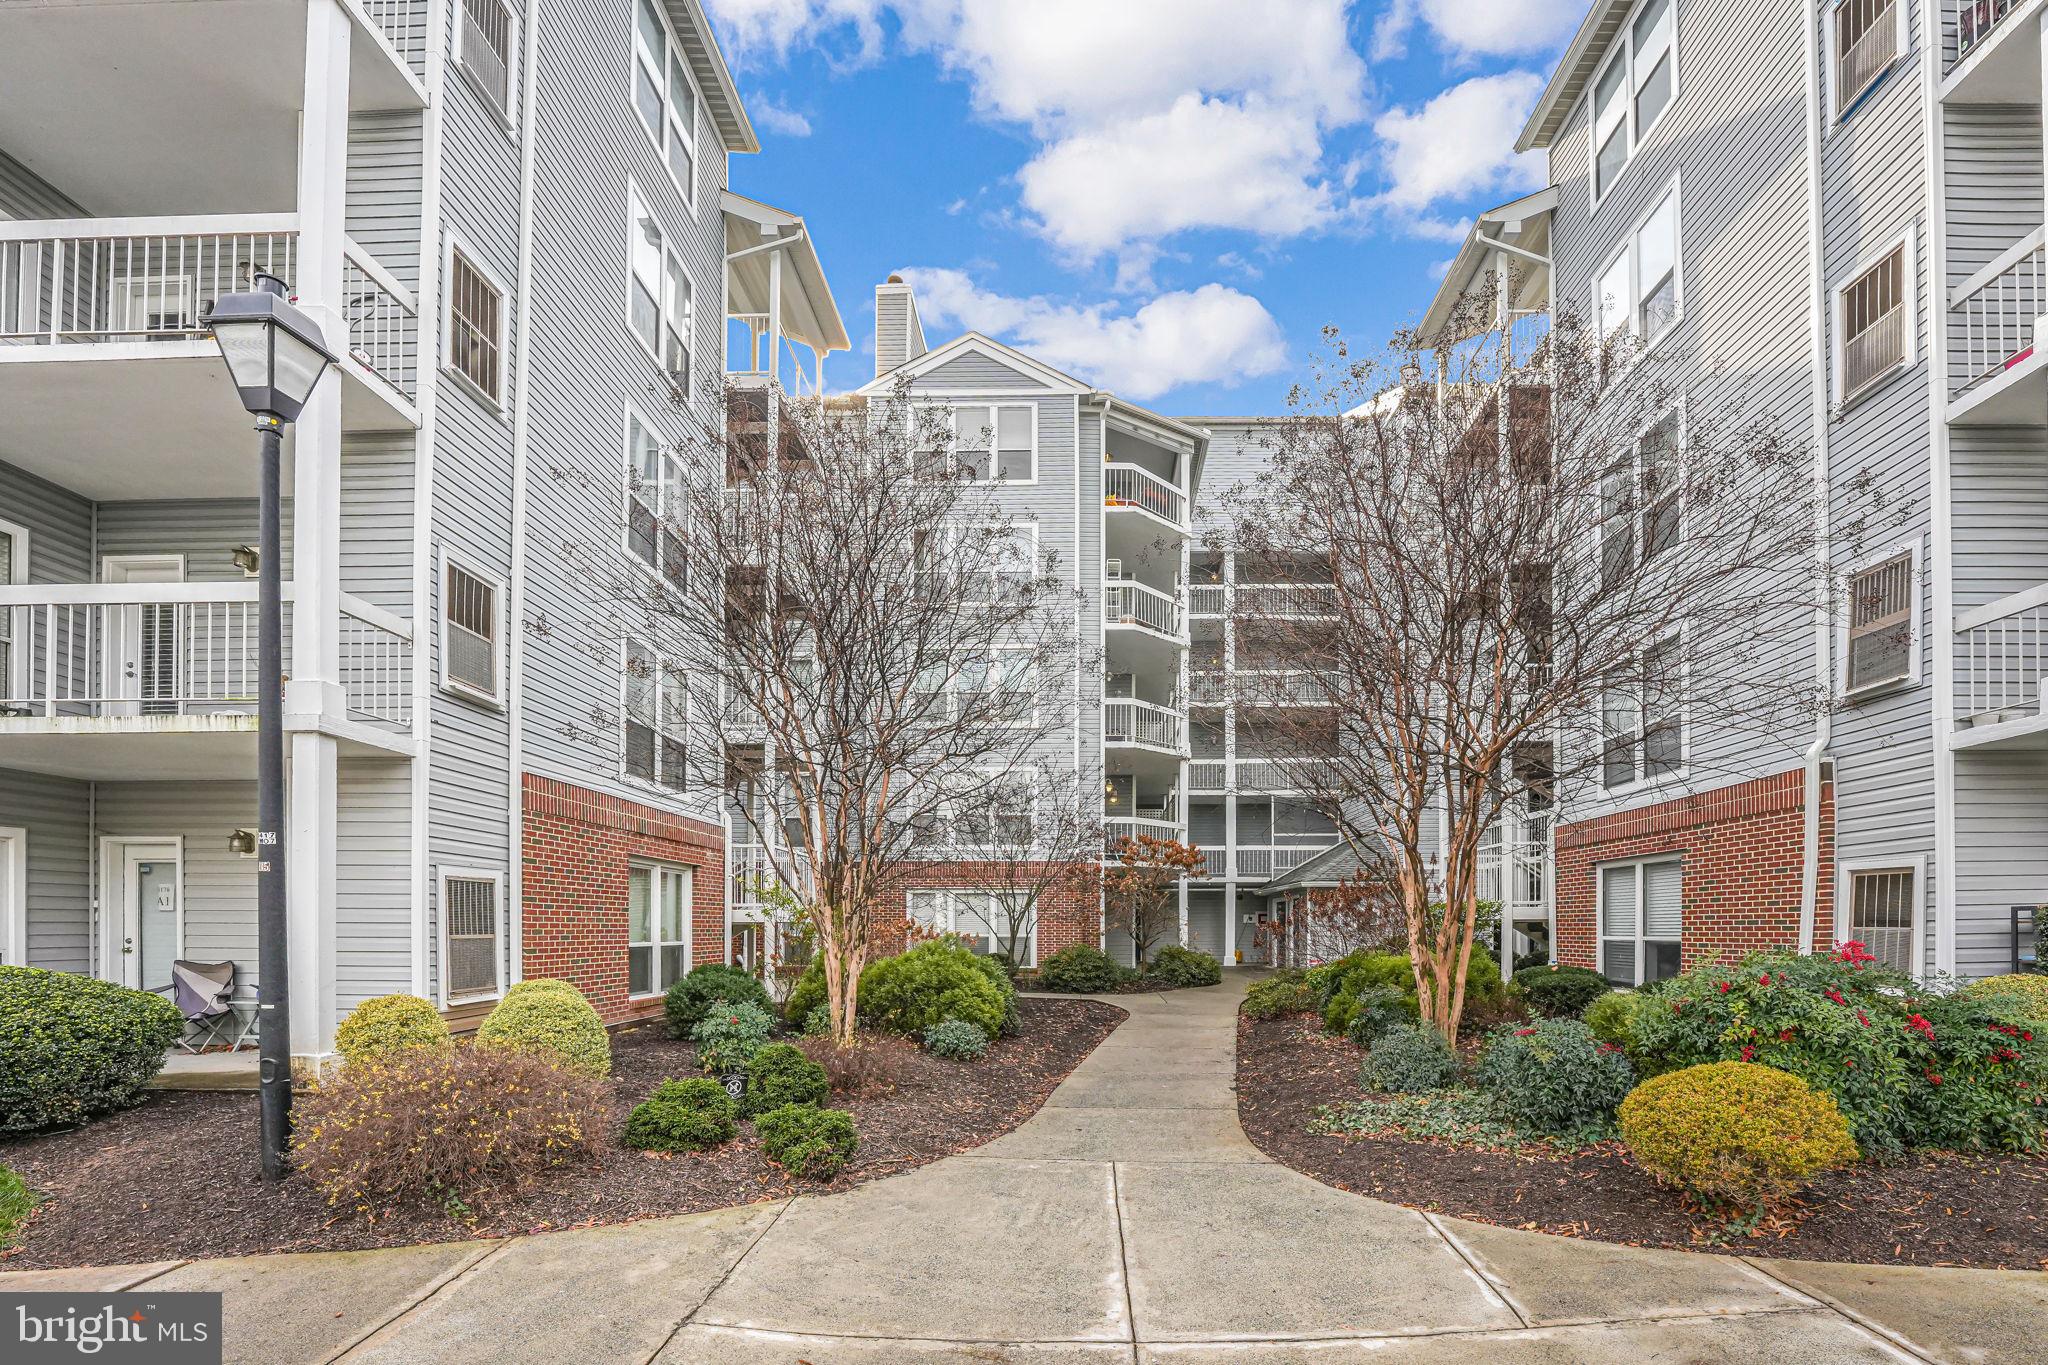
(1229, 759)
(315, 687)
(775, 313)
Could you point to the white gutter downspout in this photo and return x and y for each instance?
(1823, 624)
(515, 616)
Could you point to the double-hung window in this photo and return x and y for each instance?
(470, 636)
(472, 934)
(996, 443)
(656, 718)
(1883, 646)
(1643, 721)
(1633, 90)
(1639, 290)
(659, 295)
(657, 927)
(476, 325)
(1642, 503)
(664, 96)
(483, 50)
(1641, 920)
(1867, 37)
(13, 637)
(983, 920)
(654, 504)
(1874, 320)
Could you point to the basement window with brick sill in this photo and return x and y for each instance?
(658, 928)
(1641, 920)
(472, 939)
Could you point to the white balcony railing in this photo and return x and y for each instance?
(1205, 599)
(1206, 775)
(1258, 862)
(1287, 599)
(1143, 723)
(96, 280)
(1117, 827)
(1129, 485)
(1992, 314)
(1134, 604)
(404, 22)
(1271, 774)
(1281, 687)
(2004, 648)
(750, 868)
(1975, 19)
(104, 651)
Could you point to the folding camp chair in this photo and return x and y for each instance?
(204, 993)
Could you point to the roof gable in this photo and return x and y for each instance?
(1034, 372)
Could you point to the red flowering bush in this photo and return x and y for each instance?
(1978, 1075)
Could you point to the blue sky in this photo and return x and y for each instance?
(1169, 198)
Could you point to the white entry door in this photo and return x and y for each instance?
(140, 651)
(145, 916)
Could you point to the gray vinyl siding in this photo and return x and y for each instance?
(977, 372)
(1206, 913)
(58, 522)
(377, 487)
(24, 194)
(205, 531)
(372, 881)
(588, 365)
(219, 886)
(2001, 852)
(382, 213)
(54, 811)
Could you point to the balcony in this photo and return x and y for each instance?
(1997, 54)
(1262, 862)
(1158, 824)
(103, 334)
(1996, 374)
(1133, 604)
(1205, 600)
(116, 680)
(1286, 601)
(2003, 651)
(1145, 725)
(750, 868)
(1129, 489)
(1260, 687)
(209, 118)
(1207, 775)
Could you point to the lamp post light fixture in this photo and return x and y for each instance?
(276, 355)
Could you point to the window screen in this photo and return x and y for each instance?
(1881, 914)
(470, 909)
(471, 640)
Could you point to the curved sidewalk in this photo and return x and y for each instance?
(1128, 1221)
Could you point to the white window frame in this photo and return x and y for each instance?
(1624, 52)
(1913, 548)
(452, 244)
(995, 411)
(670, 124)
(1630, 249)
(1903, 240)
(499, 909)
(506, 112)
(1640, 939)
(666, 496)
(638, 206)
(1639, 744)
(15, 681)
(660, 681)
(454, 558)
(660, 872)
(947, 901)
(1838, 112)
(1845, 899)
(1639, 502)
(14, 895)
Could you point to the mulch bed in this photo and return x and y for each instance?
(1932, 1209)
(177, 1177)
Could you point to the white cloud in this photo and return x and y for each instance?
(1469, 30)
(1209, 335)
(1459, 144)
(749, 30)
(778, 118)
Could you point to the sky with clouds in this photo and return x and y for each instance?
(1168, 198)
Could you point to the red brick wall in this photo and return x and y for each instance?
(577, 846)
(1743, 846)
(1067, 914)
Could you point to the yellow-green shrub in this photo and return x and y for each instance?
(1734, 1133)
(390, 1023)
(550, 1016)
(2032, 987)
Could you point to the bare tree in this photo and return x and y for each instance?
(1539, 572)
(1027, 865)
(1140, 888)
(857, 637)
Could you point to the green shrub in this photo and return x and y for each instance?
(1409, 1059)
(1555, 1077)
(72, 1048)
(1735, 1134)
(2029, 987)
(818, 1022)
(809, 1142)
(1376, 1010)
(550, 1016)
(1081, 970)
(1976, 1072)
(956, 1039)
(1561, 992)
(1285, 993)
(780, 1074)
(999, 976)
(389, 1023)
(729, 1035)
(1178, 966)
(1358, 969)
(930, 983)
(450, 1128)
(808, 994)
(1612, 1018)
(686, 1115)
(16, 1199)
(690, 999)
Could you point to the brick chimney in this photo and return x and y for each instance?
(899, 336)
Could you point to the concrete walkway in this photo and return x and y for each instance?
(1128, 1221)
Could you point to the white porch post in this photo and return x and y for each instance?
(314, 667)
(774, 313)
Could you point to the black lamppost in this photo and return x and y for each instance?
(276, 355)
